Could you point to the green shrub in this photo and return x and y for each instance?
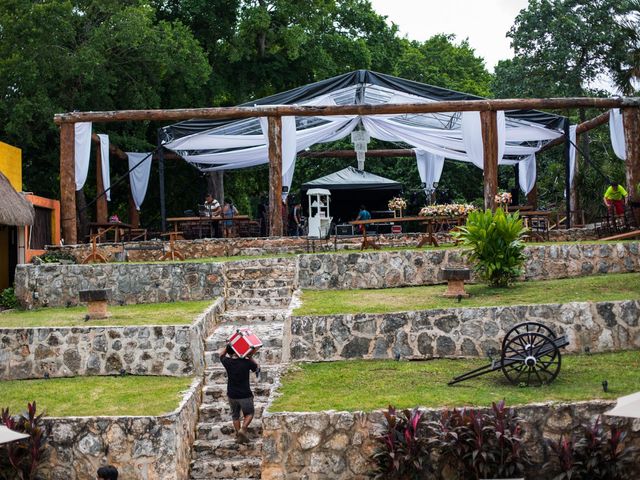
(496, 245)
(55, 256)
(8, 298)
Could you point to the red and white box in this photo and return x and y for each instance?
(244, 342)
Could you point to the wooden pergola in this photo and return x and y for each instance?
(488, 113)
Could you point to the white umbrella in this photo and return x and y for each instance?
(7, 435)
(627, 406)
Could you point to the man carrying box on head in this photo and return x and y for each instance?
(239, 389)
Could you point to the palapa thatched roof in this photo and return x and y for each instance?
(14, 208)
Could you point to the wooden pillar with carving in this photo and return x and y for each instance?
(489, 123)
(68, 183)
(102, 210)
(275, 176)
(631, 121)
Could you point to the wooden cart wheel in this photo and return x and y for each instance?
(525, 327)
(531, 358)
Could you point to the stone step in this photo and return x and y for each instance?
(208, 450)
(220, 411)
(277, 272)
(255, 315)
(235, 468)
(217, 375)
(250, 303)
(250, 292)
(259, 283)
(218, 393)
(225, 431)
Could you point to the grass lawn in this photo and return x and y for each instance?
(89, 396)
(175, 313)
(622, 286)
(373, 384)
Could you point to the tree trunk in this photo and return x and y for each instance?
(215, 185)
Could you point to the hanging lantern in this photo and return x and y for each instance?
(360, 140)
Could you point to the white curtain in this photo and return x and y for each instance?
(82, 152)
(429, 167)
(104, 163)
(572, 153)
(616, 128)
(139, 177)
(527, 173)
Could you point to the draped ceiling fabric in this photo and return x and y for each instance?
(82, 152)
(572, 153)
(617, 133)
(104, 163)
(429, 168)
(212, 145)
(139, 170)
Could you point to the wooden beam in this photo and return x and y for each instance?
(312, 111)
(102, 211)
(580, 128)
(623, 236)
(631, 122)
(400, 152)
(68, 183)
(489, 125)
(275, 176)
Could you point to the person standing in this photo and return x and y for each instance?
(296, 216)
(228, 212)
(239, 390)
(615, 197)
(211, 206)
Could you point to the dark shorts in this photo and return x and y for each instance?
(244, 404)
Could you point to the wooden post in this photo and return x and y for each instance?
(102, 211)
(567, 148)
(489, 123)
(631, 121)
(134, 214)
(573, 189)
(68, 183)
(275, 176)
(532, 197)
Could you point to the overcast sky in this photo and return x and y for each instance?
(484, 22)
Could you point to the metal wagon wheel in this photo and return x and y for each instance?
(531, 358)
(526, 327)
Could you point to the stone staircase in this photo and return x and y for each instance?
(258, 294)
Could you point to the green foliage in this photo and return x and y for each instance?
(25, 459)
(496, 245)
(8, 298)
(593, 456)
(55, 256)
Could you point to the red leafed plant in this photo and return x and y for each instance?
(23, 460)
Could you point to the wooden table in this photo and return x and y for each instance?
(428, 237)
(207, 221)
(103, 228)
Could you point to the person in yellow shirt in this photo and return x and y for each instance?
(615, 197)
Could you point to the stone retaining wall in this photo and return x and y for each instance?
(471, 332)
(173, 350)
(54, 285)
(145, 448)
(337, 445)
(404, 268)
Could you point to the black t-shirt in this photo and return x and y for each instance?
(238, 370)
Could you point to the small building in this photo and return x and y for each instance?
(27, 222)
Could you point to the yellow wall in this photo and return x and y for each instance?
(11, 164)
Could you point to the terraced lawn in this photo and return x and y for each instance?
(374, 384)
(90, 396)
(175, 313)
(610, 287)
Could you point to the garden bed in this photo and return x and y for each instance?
(172, 313)
(374, 384)
(610, 287)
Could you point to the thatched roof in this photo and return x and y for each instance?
(14, 208)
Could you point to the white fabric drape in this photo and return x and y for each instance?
(616, 128)
(572, 153)
(527, 173)
(82, 152)
(104, 163)
(139, 177)
(473, 138)
(429, 167)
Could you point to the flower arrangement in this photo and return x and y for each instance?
(114, 219)
(503, 198)
(397, 203)
(447, 210)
